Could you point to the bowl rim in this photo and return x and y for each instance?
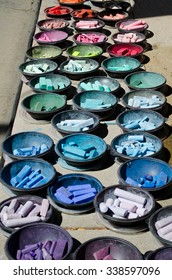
(79, 72)
(75, 175)
(146, 73)
(29, 190)
(54, 226)
(128, 162)
(132, 45)
(125, 222)
(31, 62)
(140, 92)
(85, 46)
(95, 110)
(50, 76)
(117, 26)
(42, 46)
(99, 77)
(96, 124)
(146, 134)
(80, 160)
(152, 225)
(121, 57)
(126, 242)
(43, 112)
(12, 136)
(148, 111)
(27, 197)
(66, 35)
(41, 22)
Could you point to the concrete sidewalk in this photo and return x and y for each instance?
(17, 21)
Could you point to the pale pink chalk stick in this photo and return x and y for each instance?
(8, 216)
(135, 23)
(165, 230)
(3, 211)
(128, 206)
(21, 221)
(132, 215)
(141, 211)
(130, 196)
(168, 236)
(163, 222)
(118, 211)
(135, 27)
(44, 207)
(35, 211)
(14, 204)
(121, 199)
(27, 207)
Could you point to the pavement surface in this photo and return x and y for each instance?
(158, 14)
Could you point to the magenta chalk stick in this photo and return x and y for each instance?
(102, 253)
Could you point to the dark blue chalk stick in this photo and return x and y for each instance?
(25, 171)
(81, 192)
(78, 187)
(83, 198)
(34, 180)
(162, 179)
(63, 198)
(149, 177)
(149, 184)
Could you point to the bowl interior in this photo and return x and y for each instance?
(50, 83)
(108, 192)
(125, 49)
(24, 140)
(74, 66)
(38, 67)
(98, 25)
(82, 141)
(145, 80)
(163, 253)
(49, 101)
(53, 36)
(138, 168)
(122, 25)
(106, 84)
(12, 169)
(119, 249)
(32, 234)
(42, 52)
(80, 51)
(74, 180)
(112, 15)
(74, 115)
(132, 37)
(152, 117)
(51, 24)
(120, 64)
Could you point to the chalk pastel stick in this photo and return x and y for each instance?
(27, 207)
(131, 196)
(7, 216)
(3, 211)
(101, 253)
(14, 204)
(44, 207)
(141, 211)
(128, 206)
(132, 215)
(35, 211)
(25, 171)
(103, 207)
(163, 222)
(119, 211)
(46, 255)
(109, 201)
(83, 198)
(165, 230)
(72, 188)
(21, 221)
(80, 192)
(59, 249)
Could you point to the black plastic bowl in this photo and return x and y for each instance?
(22, 199)
(27, 139)
(52, 66)
(74, 179)
(120, 63)
(144, 93)
(120, 249)
(136, 168)
(12, 169)
(55, 78)
(76, 115)
(100, 26)
(85, 51)
(108, 192)
(163, 253)
(35, 233)
(119, 24)
(141, 37)
(106, 97)
(132, 115)
(113, 84)
(161, 213)
(41, 23)
(44, 52)
(90, 33)
(45, 99)
(77, 75)
(55, 36)
(149, 138)
(117, 6)
(83, 139)
(144, 80)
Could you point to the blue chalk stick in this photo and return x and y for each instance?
(25, 171)
(34, 180)
(34, 173)
(162, 179)
(81, 192)
(13, 181)
(63, 198)
(132, 182)
(78, 187)
(23, 182)
(64, 191)
(74, 150)
(43, 181)
(83, 198)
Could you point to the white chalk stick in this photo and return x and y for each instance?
(44, 207)
(8, 216)
(103, 207)
(163, 222)
(132, 215)
(14, 204)
(109, 201)
(162, 231)
(27, 207)
(141, 211)
(131, 196)
(3, 211)
(35, 211)
(21, 221)
(118, 211)
(128, 206)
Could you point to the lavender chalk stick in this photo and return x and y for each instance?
(118, 211)
(128, 195)
(103, 207)
(165, 230)
(59, 249)
(44, 207)
(27, 207)
(78, 187)
(163, 222)
(14, 204)
(21, 221)
(83, 198)
(80, 192)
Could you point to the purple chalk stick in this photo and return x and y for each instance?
(38, 255)
(83, 198)
(78, 187)
(53, 246)
(102, 253)
(29, 248)
(59, 249)
(63, 198)
(19, 255)
(64, 191)
(81, 192)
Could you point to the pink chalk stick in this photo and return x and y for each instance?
(162, 231)
(134, 27)
(35, 211)
(21, 221)
(134, 23)
(108, 257)
(131, 196)
(132, 215)
(118, 211)
(3, 211)
(101, 253)
(14, 204)
(44, 207)
(163, 222)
